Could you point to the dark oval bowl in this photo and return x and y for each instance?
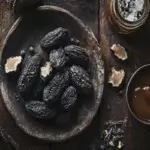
(29, 30)
(131, 86)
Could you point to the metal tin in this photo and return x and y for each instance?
(123, 26)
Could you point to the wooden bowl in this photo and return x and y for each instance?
(29, 30)
(139, 78)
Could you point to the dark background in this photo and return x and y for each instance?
(113, 106)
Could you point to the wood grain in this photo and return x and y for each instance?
(137, 46)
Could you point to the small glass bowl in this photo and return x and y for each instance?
(124, 26)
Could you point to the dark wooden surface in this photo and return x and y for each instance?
(137, 45)
(137, 136)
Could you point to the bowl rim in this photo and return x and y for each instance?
(99, 55)
(127, 91)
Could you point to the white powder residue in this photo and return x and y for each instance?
(131, 10)
(139, 4)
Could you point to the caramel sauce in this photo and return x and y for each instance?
(141, 102)
(140, 95)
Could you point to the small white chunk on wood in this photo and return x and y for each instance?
(119, 51)
(116, 77)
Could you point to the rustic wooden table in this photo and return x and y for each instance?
(94, 14)
(137, 45)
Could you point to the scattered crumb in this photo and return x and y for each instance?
(12, 64)
(46, 69)
(113, 138)
(120, 145)
(119, 51)
(111, 143)
(116, 77)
